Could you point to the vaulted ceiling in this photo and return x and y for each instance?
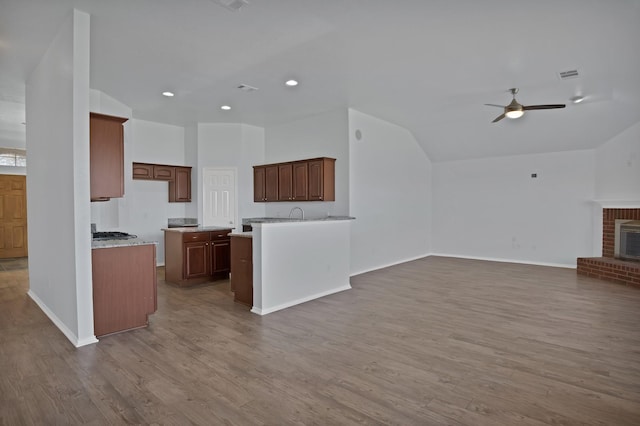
(429, 66)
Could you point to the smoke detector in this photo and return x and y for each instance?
(232, 5)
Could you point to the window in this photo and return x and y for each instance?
(13, 157)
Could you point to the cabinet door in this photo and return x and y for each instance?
(242, 265)
(271, 183)
(220, 257)
(300, 181)
(322, 179)
(161, 172)
(106, 156)
(142, 171)
(285, 182)
(259, 182)
(180, 187)
(196, 259)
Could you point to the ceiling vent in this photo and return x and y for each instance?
(565, 75)
(232, 5)
(247, 88)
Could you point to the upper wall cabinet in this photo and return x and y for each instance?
(304, 180)
(265, 183)
(179, 178)
(106, 156)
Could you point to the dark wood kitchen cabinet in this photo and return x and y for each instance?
(242, 266)
(196, 257)
(180, 185)
(265, 183)
(300, 171)
(178, 177)
(106, 156)
(161, 172)
(285, 182)
(124, 287)
(143, 171)
(322, 179)
(304, 180)
(220, 253)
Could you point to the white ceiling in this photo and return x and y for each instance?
(428, 66)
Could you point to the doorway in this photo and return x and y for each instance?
(219, 197)
(13, 216)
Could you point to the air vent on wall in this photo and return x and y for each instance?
(564, 75)
(247, 88)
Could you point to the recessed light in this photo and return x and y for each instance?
(577, 99)
(291, 83)
(225, 107)
(167, 94)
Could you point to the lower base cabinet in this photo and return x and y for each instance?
(124, 288)
(196, 257)
(242, 267)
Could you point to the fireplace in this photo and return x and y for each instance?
(627, 239)
(620, 261)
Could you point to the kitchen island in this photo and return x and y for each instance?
(195, 255)
(296, 260)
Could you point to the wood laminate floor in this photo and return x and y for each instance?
(434, 341)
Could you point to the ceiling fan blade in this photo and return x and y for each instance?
(550, 106)
(499, 106)
(498, 118)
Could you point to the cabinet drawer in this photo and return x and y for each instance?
(188, 237)
(220, 235)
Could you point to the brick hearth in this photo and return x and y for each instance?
(607, 267)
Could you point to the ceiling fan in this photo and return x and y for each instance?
(516, 109)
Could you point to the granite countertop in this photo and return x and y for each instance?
(120, 243)
(251, 220)
(198, 229)
(248, 234)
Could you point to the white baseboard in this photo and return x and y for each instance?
(497, 259)
(58, 323)
(266, 311)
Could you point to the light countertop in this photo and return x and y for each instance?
(248, 234)
(120, 243)
(250, 220)
(198, 229)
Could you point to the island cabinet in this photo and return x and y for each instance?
(196, 257)
(106, 156)
(242, 266)
(124, 287)
(304, 180)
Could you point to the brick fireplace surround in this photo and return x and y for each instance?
(607, 267)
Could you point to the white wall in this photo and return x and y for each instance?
(493, 209)
(618, 167)
(58, 193)
(238, 146)
(390, 187)
(322, 135)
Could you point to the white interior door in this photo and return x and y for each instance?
(219, 197)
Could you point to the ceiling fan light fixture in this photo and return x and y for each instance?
(514, 114)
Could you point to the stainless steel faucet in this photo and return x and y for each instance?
(296, 208)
